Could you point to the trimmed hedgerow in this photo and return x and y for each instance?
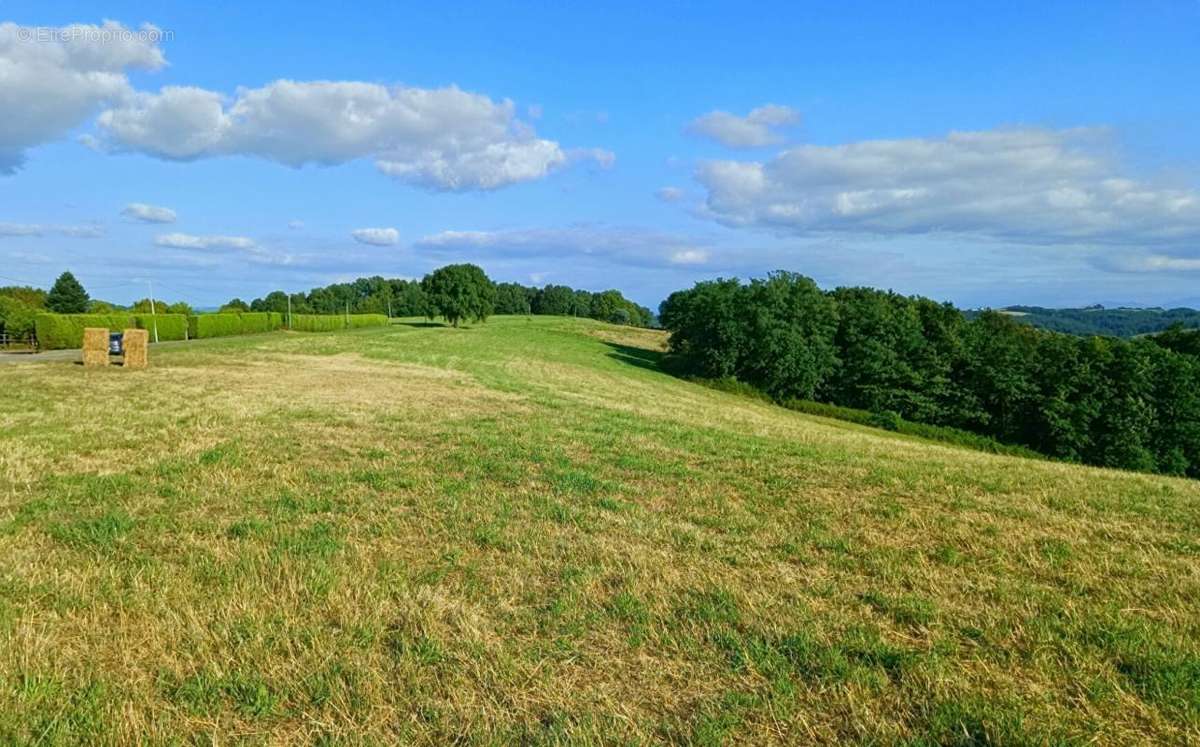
(65, 331)
(334, 322)
(230, 324)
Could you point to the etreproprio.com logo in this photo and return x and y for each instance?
(94, 34)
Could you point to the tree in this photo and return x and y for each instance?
(791, 326)
(234, 306)
(67, 296)
(16, 317)
(35, 297)
(459, 293)
(512, 298)
(555, 299)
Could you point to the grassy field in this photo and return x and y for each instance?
(523, 532)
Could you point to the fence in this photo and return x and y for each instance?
(19, 342)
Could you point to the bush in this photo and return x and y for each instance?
(65, 331)
(889, 420)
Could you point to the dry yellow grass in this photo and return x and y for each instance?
(518, 533)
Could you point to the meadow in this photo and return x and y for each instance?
(523, 531)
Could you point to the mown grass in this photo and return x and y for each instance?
(522, 532)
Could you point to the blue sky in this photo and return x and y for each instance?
(986, 155)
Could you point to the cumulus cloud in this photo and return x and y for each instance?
(759, 128)
(140, 211)
(189, 241)
(53, 79)
(439, 139)
(376, 236)
(37, 230)
(1024, 185)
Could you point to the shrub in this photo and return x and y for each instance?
(889, 420)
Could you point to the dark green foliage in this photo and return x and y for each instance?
(65, 331)
(914, 366)
(406, 298)
(67, 296)
(460, 293)
(513, 298)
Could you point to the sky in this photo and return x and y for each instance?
(986, 154)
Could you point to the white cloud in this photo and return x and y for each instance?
(376, 236)
(1148, 263)
(440, 139)
(689, 257)
(148, 213)
(624, 246)
(189, 241)
(761, 127)
(1024, 185)
(669, 194)
(86, 231)
(54, 79)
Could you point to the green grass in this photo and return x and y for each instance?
(523, 532)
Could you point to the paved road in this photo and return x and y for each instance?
(51, 356)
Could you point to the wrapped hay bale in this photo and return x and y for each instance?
(95, 346)
(137, 348)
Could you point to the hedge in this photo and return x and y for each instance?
(334, 322)
(64, 331)
(226, 325)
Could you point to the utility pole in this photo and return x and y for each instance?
(289, 311)
(347, 314)
(153, 313)
(389, 308)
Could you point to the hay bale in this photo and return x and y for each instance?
(95, 346)
(137, 348)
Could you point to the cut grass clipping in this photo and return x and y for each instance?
(524, 532)
(95, 347)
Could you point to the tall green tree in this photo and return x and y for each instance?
(460, 293)
(67, 296)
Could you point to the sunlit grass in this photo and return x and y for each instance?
(521, 531)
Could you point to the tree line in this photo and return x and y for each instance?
(1097, 320)
(435, 293)
(1132, 404)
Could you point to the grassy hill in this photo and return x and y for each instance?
(522, 531)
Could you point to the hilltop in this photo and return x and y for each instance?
(524, 531)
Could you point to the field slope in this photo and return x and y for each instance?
(522, 531)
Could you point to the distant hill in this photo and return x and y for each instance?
(1099, 320)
